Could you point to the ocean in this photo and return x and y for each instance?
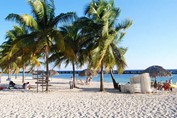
(121, 78)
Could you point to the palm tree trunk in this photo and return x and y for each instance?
(115, 84)
(113, 80)
(16, 76)
(47, 67)
(9, 73)
(9, 76)
(74, 75)
(23, 77)
(101, 79)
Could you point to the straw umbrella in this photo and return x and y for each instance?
(87, 72)
(157, 71)
(43, 74)
(53, 72)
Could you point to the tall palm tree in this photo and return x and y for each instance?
(73, 39)
(43, 28)
(77, 37)
(105, 54)
(13, 55)
(9, 50)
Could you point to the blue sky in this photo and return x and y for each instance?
(151, 40)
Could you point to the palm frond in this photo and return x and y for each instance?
(37, 9)
(64, 18)
(124, 25)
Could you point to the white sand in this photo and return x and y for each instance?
(84, 102)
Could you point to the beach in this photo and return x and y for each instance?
(85, 102)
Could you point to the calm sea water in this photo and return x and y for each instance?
(121, 78)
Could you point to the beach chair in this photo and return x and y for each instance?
(80, 82)
(136, 84)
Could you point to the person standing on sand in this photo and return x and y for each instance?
(170, 82)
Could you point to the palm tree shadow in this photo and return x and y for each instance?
(110, 90)
(59, 83)
(89, 89)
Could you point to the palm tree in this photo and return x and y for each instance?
(13, 55)
(73, 38)
(106, 54)
(44, 32)
(77, 37)
(8, 50)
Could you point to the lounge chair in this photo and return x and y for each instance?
(80, 82)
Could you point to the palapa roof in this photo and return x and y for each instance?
(157, 71)
(87, 72)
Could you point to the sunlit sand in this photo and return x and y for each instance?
(87, 101)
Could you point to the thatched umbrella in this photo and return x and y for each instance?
(157, 71)
(87, 72)
(43, 73)
(38, 72)
(51, 73)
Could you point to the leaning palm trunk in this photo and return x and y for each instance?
(115, 84)
(101, 79)
(74, 75)
(47, 67)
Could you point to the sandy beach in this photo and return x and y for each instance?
(85, 102)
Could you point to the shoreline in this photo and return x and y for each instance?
(121, 78)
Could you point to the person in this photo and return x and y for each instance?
(26, 86)
(159, 86)
(170, 82)
(12, 85)
(8, 79)
(155, 83)
(166, 85)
